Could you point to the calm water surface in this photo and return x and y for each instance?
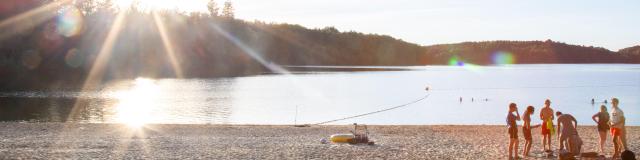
(317, 96)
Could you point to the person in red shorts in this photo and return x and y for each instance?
(618, 130)
(546, 115)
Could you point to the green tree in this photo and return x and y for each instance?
(212, 6)
(87, 6)
(227, 10)
(105, 6)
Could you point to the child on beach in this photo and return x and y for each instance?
(618, 130)
(602, 119)
(513, 130)
(546, 115)
(526, 129)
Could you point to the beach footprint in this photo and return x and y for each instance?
(540, 154)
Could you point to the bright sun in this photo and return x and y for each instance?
(187, 6)
(135, 105)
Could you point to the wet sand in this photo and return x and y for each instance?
(115, 141)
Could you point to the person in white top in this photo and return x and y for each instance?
(618, 130)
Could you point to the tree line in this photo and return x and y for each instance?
(528, 52)
(35, 54)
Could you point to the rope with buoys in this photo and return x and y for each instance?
(374, 112)
(452, 89)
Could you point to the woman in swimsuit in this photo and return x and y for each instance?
(602, 119)
(513, 130)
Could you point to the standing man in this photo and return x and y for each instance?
(546, 115)
(618, 130)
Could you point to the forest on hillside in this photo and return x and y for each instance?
(527, 52)
(631, 52)
(58, 45)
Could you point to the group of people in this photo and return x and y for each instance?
(567, 129)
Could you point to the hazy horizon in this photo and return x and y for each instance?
(601, 24)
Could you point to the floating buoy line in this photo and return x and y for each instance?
(374, 112)
(428, 88)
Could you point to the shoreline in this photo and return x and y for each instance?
(281, 125)
(211, 141)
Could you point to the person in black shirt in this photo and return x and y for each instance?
(602, 119)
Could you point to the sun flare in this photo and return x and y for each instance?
(187, 6)
(134, 108)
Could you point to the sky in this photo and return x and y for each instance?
(610, 24)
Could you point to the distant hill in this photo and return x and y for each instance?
(525, 52)
(631, 52)
(37, 55)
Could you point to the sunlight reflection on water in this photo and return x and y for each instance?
(321, 96)
(135, 105)
(144, 101)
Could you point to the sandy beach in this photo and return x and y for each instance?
(115, 141)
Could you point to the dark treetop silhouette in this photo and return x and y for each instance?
(35, 54)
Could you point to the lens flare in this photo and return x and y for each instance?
(503, 58)
(455, 61)
(31, 59)
(70, 22)
(73, 58)
(472, 67)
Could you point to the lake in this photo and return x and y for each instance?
(312, 94)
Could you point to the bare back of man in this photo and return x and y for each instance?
(566, 121)
(567, 125)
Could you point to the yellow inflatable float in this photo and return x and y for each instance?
(359, 135)
(342, 138)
